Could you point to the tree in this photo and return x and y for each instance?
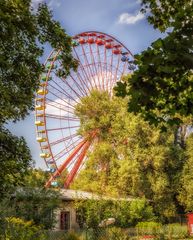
(129, 157)
(23, 35)
(35, 178)
(161, 87)
(15, 160)
(31, 201)
(37, 204)
(23, 32)
(16, 228)
(186, 192)
(31, 204)
(126, 213)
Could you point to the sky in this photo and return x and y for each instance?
(119, 18)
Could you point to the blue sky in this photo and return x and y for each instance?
(119, 18)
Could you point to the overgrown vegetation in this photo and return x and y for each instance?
(93, 213)
(130, 157)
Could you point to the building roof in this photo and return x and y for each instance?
(69, 194)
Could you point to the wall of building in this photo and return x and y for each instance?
(66, 207)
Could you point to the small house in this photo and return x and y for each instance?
(66, 216)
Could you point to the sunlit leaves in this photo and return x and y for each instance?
(129, 157)
(15, 159)
(23, 33)
(161, 87)
(186, 181)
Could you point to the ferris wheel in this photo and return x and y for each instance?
(103, 60)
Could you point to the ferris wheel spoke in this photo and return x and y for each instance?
(116, 70)
(83, 70)
(80, 87)
(59, 105)
(66, 150)
(94, 66)
(88, 84)
(88, 65)
(63, 100)
(105, 64)
(76, 92)
(87, 90)
(62, 140)
(59, 117)
(61, 90)
(62, 128)
(100, 68)
(62, 109)
(111, 70)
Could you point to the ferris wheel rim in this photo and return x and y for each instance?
(53, 52)
(110, 36)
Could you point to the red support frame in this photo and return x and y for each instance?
(65, 164)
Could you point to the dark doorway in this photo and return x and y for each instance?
(65, 220)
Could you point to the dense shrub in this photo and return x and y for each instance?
(17, 228)
(148, 228)
(126, 213)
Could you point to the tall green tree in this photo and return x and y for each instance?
(161, 87)
(186, 192)
(23, 34)
(15, 160)
(129, 157)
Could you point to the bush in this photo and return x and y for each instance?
(71, 236)
(63, 235)
(176, 231)
(93, 212)
(115, 233)
(170, 231)
(149, 228)
(17, 228)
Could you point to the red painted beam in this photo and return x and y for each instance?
(65, 164)
(76, 166)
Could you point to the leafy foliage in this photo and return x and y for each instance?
(32, 204)
(23, 32)
(19, 229)
(161, 87)
(96, 112)
(35, 178)
(129, 157)
(186, 191)
(15, 159)
(164, 14)
(92, 212)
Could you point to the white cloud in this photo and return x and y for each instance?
(127, 18)
(51, 3)
(35, 3)
(58, 107)
(54, 3)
